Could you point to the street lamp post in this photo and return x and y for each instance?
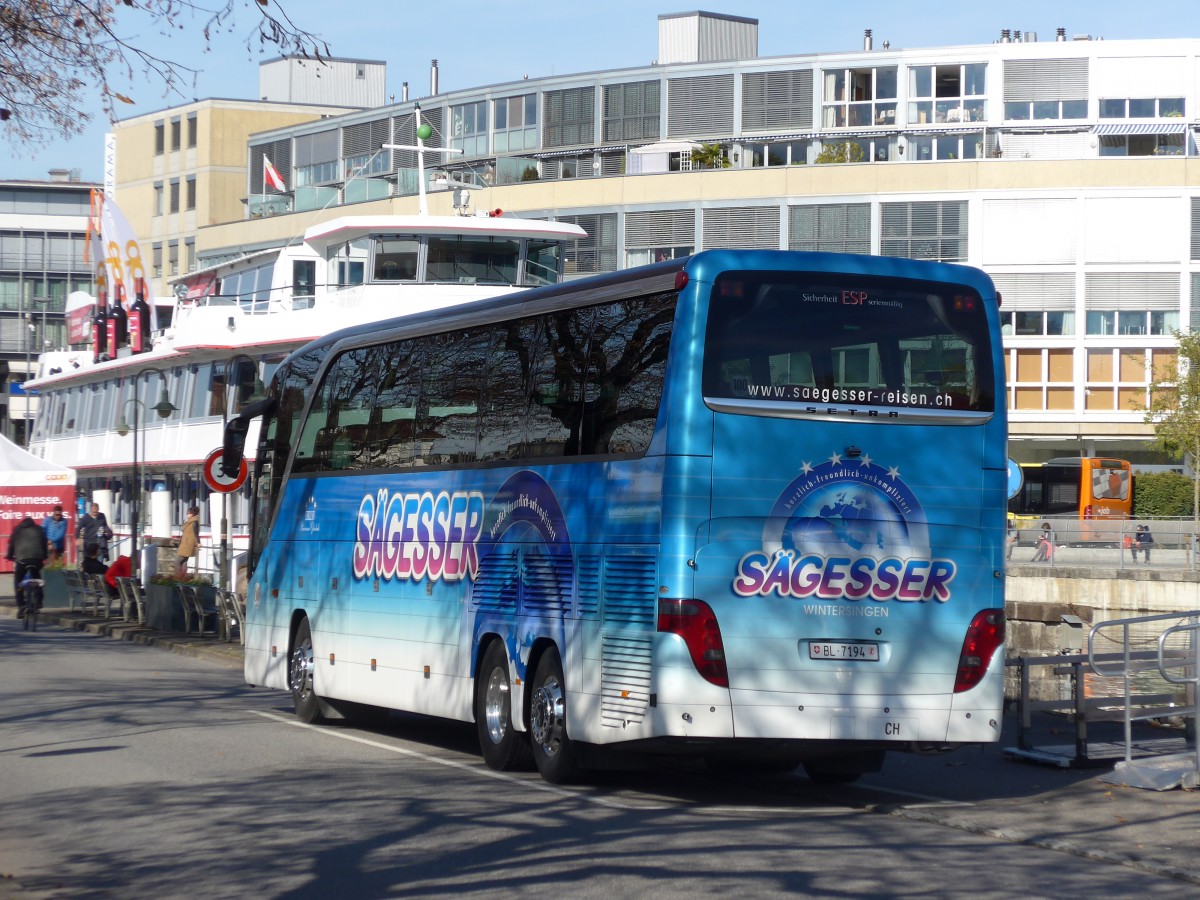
(233, 389)
(164, 408)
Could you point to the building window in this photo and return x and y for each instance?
(160, 138)
(1132, 322)
(468, 128)
(189, 255)
(190, 193)
(948, 93)
(175, 134)
(173, 258)
(173, 196)
(515, 125)
(1143, 108)
(1024, 323)
(778, 153)
(191, 131)
(158, 198)
(1118, 380)
(156, 260)
(859, 97)
(318, 173)
(1040, 379)
(945, 146)
(1043, 110)
(1142, 144)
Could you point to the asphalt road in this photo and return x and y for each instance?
(129, 771)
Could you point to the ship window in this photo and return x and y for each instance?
(396, 258)
(473, 260)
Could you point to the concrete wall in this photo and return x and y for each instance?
(1036, 603)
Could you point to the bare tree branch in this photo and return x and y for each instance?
(54, 53)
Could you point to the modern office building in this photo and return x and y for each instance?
(1067, 168)
(43, 226)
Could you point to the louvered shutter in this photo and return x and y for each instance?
(1196, 228)
(1045, 79)
(280, 155)
(1132, 290)
(404, 131)
(631, 111)
(568, 117)
(700, 106)
(830, 227)
(925, 230)
(777, 100)
(660, 228)
(1036, 290)
(742, 228)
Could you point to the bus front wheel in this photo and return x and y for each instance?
(503, 747)
(300, 676)
(553, 751)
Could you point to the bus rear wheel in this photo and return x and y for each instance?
(502, 746)
(301, 664)
(553, 751)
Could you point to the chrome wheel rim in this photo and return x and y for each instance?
(497, 705)
(301, 668)
(546, 719)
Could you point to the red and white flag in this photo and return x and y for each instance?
(271, 176)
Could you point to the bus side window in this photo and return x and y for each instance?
(555, 408)
(625, 371)
(507, 391)
(448, 414)
(390, 435)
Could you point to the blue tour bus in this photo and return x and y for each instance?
(748, 505)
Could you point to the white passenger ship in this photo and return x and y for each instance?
(233, 323)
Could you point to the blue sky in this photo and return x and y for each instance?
(502, 42)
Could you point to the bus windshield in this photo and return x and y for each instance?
(804, 338)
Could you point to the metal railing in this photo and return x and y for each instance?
(1109, 542)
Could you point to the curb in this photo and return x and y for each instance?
(210, 648)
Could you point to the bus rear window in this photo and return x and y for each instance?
(847, 341)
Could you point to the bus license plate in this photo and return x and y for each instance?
(845, 650)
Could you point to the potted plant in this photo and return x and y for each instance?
(55, 594)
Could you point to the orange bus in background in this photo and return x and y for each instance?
(1074, 488)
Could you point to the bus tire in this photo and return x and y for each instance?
(503, 747)
(553, 752)
(301, 663)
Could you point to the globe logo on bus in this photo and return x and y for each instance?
(848, 507)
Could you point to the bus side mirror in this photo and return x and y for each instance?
(234, 444)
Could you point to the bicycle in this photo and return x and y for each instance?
(32, 589)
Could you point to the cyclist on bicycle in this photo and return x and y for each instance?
(28, 549)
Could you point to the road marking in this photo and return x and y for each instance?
(928, 798)
(463, 767)
(598, 801)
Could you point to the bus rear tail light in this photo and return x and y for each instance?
(693, 620)
(985, 635)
